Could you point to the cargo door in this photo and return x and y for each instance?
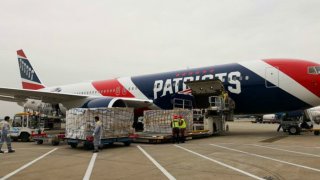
(272, 77)
(203, 89)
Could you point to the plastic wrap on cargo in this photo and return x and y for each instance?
(116, 122)
(158, 121)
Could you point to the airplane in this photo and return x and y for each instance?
(257, 87)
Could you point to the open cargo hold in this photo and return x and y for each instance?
(116, 125)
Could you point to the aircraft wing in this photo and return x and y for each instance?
(16, 95)
(21, 95)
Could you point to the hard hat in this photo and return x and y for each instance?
(180, 116)
(175, 116)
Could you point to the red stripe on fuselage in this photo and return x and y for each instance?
(112, 88)
(298, 70)
(26, 85)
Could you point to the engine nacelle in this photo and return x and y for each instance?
(105, 102)
(32, 104)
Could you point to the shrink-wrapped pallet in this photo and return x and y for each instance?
(159, 121)
(116, 122)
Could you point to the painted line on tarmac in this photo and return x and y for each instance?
(31, 148)
(296, 152)
(27, 165)
(162, 169)
(221, 163)
(303, 147)
(90, 167)
(274, 145)
(269, 158)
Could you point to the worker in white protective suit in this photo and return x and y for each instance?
(5, 134)
(97, 134)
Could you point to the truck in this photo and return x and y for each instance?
(270, 118)
(23, 125)
(26, 124)
(116, 126)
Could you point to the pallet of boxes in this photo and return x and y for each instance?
(116, 126)
(157, 125)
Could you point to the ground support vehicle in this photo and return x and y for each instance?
(88, 143)
(316, 131)
(153, 138)
(157, 138)
(199, 134)
(116, 126)
(43, 137)
(23, 125)
(27, 123)
(157, 127)
(296, 125)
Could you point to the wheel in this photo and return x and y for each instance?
(294, 130)
(73, 145)
(316, 133)
(40, 142)
(127, 143)
(24, 137)
(55, 143)
(88, 146)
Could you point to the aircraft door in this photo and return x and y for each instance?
(272, 77)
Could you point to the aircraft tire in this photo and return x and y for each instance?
(316, 133)
(24, 137)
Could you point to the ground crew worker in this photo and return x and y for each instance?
(175, 129)
(183, 126)
(5, 135)
(97, 134)
(225, 97)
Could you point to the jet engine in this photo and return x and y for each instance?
(105, 102)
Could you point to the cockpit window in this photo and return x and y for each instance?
(314, 70)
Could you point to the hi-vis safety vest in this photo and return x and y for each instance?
(183, 124)
(175, 123)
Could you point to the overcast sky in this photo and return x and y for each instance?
(80, 40)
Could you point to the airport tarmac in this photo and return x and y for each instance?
(247, 151)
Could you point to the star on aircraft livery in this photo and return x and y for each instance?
(260, 86)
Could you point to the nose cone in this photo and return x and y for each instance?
(300, 78)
